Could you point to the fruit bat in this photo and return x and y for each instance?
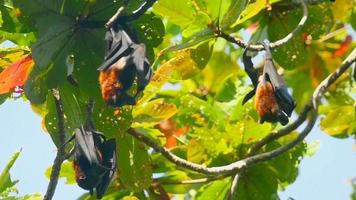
(94, 160)
(125, 61)
(273, 102)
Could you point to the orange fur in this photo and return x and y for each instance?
(266, 103)
(109, 83)
(79, 174)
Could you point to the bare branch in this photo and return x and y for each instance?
(259, 47)
(61, 155)
(238, 165)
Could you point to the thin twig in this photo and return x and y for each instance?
(61, 155)
(332, 34)
(118, 13)
(147, 5)
(259, 47)
(238, 165)
(234, 185)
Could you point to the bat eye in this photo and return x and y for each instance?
(82, 177)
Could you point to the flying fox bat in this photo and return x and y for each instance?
(125, 61)
(94, 160)
(273, 102)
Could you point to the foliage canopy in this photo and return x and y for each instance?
(192, 105)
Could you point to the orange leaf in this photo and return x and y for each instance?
(344, 46)
(170, 131)
(16, 74)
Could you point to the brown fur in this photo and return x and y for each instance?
(109, 83)
(266, 103)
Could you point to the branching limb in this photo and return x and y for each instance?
(238, 165)
(259, 47)
(61, 155)
(320, 90)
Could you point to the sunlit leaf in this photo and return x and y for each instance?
(215, 190)
(67, 172)
(151, 113)
(5, 180)
(15, 75)
(339, 121)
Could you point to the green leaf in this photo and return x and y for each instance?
(234, 11)
(174, 176)
(134, 164)
(150, 29)
(196, 152)
(71, 106)
(215, 190)
(219, 69)
(5, 180)
(198, 112)
(66, 172)
(178, 12)
(112, 122)
(153, 112)
(251, 11)
(339, 121)
(258, 183)
(294, 53)
(35, 87)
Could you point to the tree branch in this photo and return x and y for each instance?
(193, 181)
(320, 90)
(147, 5)
(118, 13)
(61, 155)
(259, 47)
(238, 165)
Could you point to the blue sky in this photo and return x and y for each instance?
(323, 176)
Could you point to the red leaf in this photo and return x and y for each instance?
(170, 131)
(15, 75)
(342, 50)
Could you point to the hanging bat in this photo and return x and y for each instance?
(273, 102)
(125, 61)
(94, 160)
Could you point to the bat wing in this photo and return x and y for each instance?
(252, 73)
(143, 69)
(118, 46)
(284, 99)
(249, 69)
(85, 145)
(109, 161)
